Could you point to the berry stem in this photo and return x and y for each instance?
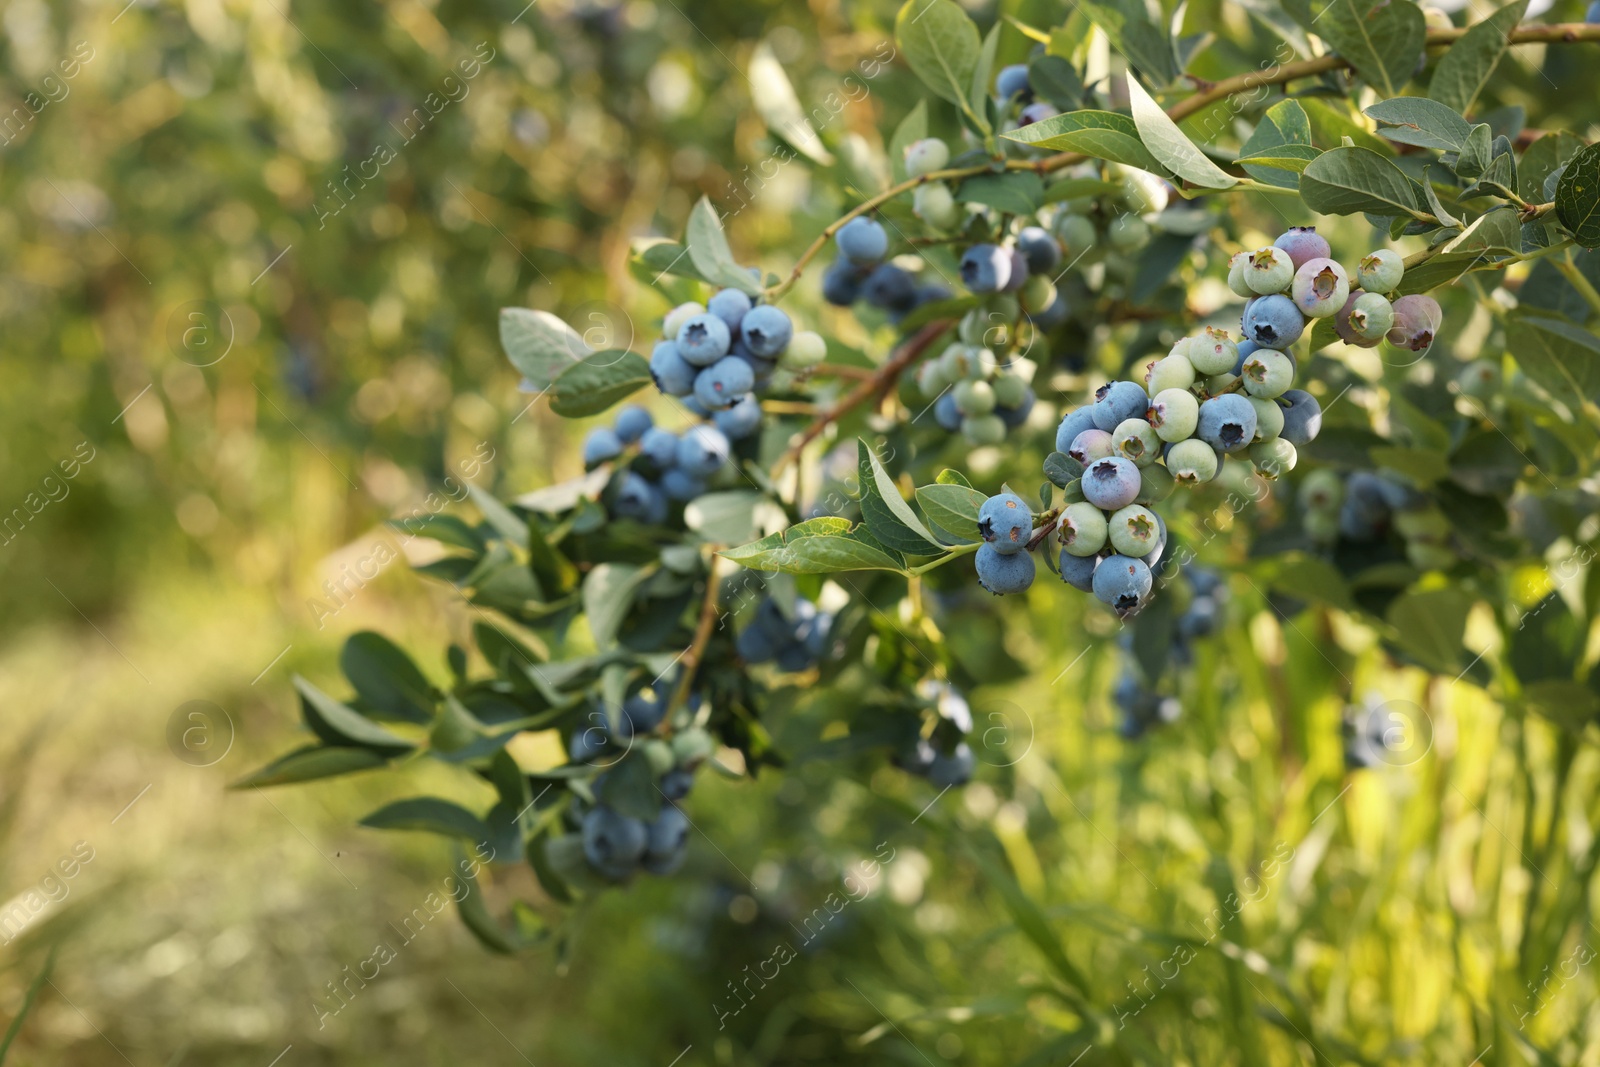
(955, 552)
(704, 627)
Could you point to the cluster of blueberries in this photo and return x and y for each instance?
(615, 844)
(942, 758)
(794, 643)
(717, 356)
(1141, 705)
(863, 273)
(1364, 507)
(671, 468)
(973, 394)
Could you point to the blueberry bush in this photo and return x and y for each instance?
(1300, 357)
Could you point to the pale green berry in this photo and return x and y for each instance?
(1038, 292)
(658, 754)
(1322, 526)
(1479, 379)
(1322, 491)
(680, 315)
(926, 156)
(1137, 440)
(1192, 462)
(973, 326)
(1273, 458)
(1128, 233)
(1155, 484)
(1270, 270)
(1218, 384)
(1267, 373)
(1213, 352)
(1082, 529)
(983, 429)
(1172, 372)
(984, 363)
(931, 380)
(1174, 413)
(806, 349)
(956, 362)
(1009, 390)
(1133, 530)
(1371, 316)
(974, 398)
(1269, 418)
(934, 204)
(1381, 271)
(1236, 269)
(1076, 234)
(1003, 307)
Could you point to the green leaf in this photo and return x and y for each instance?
(772, 552)
(608, 593)
(1056, 80)
(730, 517)
(941, 45)
(1561, 357)
(1497, 231)
(1382, 39)
(1435, 207)
(708, 247)
(1543, 158)
(983, 71)
(385, 678)
(775, 101)
(1101, 134)
(1563, 702)
(661, 257)
(1429, 626)
(311, 763)
(888, 517)
(952, 508)
(538, 344)
(1280, 142)
(592, 386)
(1146, 46)
(1346, 181)
(430, 814)
(950, 476)
(528, 929)
(1019, 192)
(455, 728)
(912, 128)
(855, 551)
(28, 1000)
(1474, 157)
(1061, 469)
(446, 529)
(1031, 921)
(1431, 273)
(1416, 120)
(1467, 65)
(505, 522)
(1170, 146)
(340, 724)
(1578, 197)
(630, 789)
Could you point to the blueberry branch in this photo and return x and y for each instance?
(706, 624)
(954, 552)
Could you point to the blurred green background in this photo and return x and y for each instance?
(259, 336)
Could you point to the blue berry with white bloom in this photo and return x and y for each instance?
(1078, 571)
(1002, 573)
(766, 331)
(739, 420)
(986, 268)
(601, 444)
(731, 306)
(702, 450)
(1111, 483)
(659, 447)
(862, 240)
(632, 422)
(1302, 417)
(724, 382)
(704, 339)
(891, 288)
(673, 374)
(1013, 81)
(841, 283)
(1040, 248)
(681, 486)
(1117, 401)
(1273, 321)
(1005, 522)
(1227, 423)
(1123, 583)
(1072, 424)
(946, 412)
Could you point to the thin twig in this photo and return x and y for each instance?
(702, 637)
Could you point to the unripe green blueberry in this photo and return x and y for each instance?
(1076, 234)
(1320, 288)
(1322, 491)
(1236, 281)
(1128, 233)
(680, 315)
(1220, 383)
(1371, 316)
(973, 326)
(1009, 390)
(983, 429)
(934, 204)
(692, 746)
(1174, 413)
(1170, 372)
(1082, 529)
(931, 381)
(975, 398)
(1038, 293)
(956, 362)
(1381, 271)
(1479, 379)
(1155, 484)
(1213, 352)
(1269, 270)
(1273, 458)
(658, 754)
(1436, 19)
(806, 349)
(1003, 307)
(926, 156)
(1136, 439)
(1267, 373)
(1269, 418)
(1192, 462)
(1321, 526)
(1133, 530)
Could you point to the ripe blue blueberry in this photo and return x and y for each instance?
(1112, 483)
(1272, 321)
(731, 306)
(1302, 417)
(986, 268)
(659, 447)
(587, 743)
(1037, 111)
(766, 331)
(631, 423)
(889, 287)
(862, 240)
(1592, 16)
(641, 713)
(841, 283)
(675, 784)
(1005, 522)
(612, 843)
(1052, 316)
(704, 339)
(1303, 244)
(1040, 248)
(601, 444)
(702, 450)
(1012, 81)
(637, 499)
(1019, 271)
(673, 374)
(724, 382)
(1227, 423)
(1078, 571)
(755, 644)
(666, 841)
(1116, 401)
(947, 771)
(739, 420)
(946, 413)
(1123, 583)
(1003, 573)
(1072, 424)
(681, 485)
